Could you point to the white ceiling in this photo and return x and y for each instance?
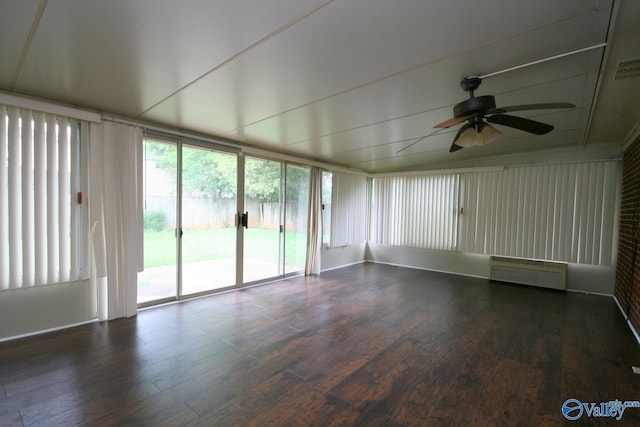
(348, 82)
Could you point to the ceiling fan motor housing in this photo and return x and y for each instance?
(478, 104)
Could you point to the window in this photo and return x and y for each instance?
(349, 209)
(326, 206)
(416, 211)
(553, 212)
(563, 212)
(42, 240)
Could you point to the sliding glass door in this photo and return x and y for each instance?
(263, 195)
(158, 281)
(296, 217)
(208, 209)
(276, 200)
(193, 236)
(189, 230)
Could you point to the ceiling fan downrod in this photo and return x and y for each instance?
(470, 84)
(474, 104)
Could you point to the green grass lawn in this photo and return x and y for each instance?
(203, 245)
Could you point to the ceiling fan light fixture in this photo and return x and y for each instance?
(473, 138)
(487, 134)
(468, 138)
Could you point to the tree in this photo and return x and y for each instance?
(213, 173)
(204, 172)
(262, 180)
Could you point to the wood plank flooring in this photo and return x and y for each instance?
(366, 345)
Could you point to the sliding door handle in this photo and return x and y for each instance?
(242, 219)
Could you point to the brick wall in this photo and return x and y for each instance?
(627, 289)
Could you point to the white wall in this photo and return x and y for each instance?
(591, 278)
(341, 256)
(26, 311)
(467, 264)
(580, 277)
(36, 309)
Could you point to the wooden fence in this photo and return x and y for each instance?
(203, 213)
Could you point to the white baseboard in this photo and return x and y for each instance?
(626, 318)
(343, 266)
(428, 269)
(45, 331)
(580, 291)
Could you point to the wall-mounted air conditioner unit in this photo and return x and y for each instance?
(547, 274)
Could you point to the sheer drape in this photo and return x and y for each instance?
(116, 216)
(314, 222)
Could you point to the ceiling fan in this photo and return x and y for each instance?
(480, 112)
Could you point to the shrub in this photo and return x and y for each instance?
(154, 220)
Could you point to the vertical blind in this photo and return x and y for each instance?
(416, 211)
(40, 217)
(349, 209)
(553, 212)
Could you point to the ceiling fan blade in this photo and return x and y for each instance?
(545, 106)
(527, 125)
(418, 140)
(454, 146)
(451, 122)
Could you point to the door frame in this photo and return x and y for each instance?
(180, 142)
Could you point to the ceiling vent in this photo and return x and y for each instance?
(627, 69)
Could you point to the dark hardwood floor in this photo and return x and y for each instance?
(366, 345)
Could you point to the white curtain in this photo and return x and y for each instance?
(314, 223)
(116, 216)
(416, 211)
(349, 209)
(553, 212)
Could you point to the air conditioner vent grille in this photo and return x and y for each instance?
(546, 274)
(627, 69)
